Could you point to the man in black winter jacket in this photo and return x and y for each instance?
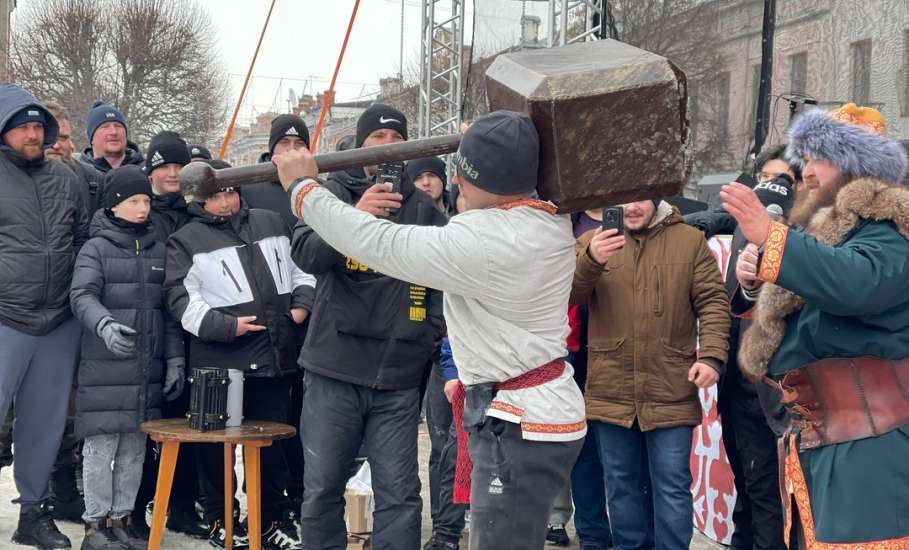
(370, 343)
(42, 225)
(231, 282)
(65, 501)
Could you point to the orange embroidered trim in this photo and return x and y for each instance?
(798, 488)
(532, 203)
(506, 407)
(553, 428)
(774, 247)
(305, 190)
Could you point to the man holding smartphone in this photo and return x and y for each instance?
(371, 339)
(658, 331)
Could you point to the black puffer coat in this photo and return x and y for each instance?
(42, 225)
(119, 273)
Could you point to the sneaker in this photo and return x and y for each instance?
(281, 536)
(557, 535)
(121, 531)
(217, 535)
(438, 542)
(187, 522)
(98, 536)
(37, 528)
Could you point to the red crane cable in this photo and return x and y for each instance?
(329, 95)
(233, 119)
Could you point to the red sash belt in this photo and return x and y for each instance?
(463, 467)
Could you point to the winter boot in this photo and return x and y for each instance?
(36, 528)
(98, 536)
(122, 532)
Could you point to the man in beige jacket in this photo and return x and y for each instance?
(659, 325)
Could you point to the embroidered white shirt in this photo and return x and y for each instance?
(506, 277)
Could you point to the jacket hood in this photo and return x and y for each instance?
(13, 99)
(198, 212)
(103, 225)
(849, 147)
(665, 213)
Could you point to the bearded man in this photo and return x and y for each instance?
(831, 328)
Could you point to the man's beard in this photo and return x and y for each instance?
(807, 203)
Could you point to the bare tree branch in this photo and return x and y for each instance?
(155, 60)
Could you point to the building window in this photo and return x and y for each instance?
(755, 90)
(904, 77)
(798, 73)
(861, 72)
(722, 104)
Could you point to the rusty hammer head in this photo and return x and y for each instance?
(611, 119)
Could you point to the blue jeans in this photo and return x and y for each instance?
(589, 495)
(667, 452)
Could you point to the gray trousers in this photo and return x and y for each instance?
(36, 377)
(562, 508)
(336, 418)
(513, 485)
(111, 474)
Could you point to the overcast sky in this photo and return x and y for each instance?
(304, 37)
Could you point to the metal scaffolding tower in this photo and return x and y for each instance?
(564, 17)
(441, 67)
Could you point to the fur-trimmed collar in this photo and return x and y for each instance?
(867, 199)
(850, 148)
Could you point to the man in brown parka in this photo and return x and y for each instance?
(659, 325)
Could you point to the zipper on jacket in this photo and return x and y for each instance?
(146, 361)
(47, 266)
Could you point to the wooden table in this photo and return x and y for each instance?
(253, 435)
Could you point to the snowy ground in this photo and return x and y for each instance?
(173, 541)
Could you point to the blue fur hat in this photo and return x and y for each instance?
(849, 147)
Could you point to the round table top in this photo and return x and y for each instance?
(178, 429)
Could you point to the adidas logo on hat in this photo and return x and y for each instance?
(157, 159)
(292, 131)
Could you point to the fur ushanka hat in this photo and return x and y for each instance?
(851, 138)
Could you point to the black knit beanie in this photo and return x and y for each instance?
(433, 165)
(500, 153)
(199, 151)
(166, 148)
(124, 182)
(287, 125)
(377, 117)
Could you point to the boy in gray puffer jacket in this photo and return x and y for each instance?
(128, 339)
